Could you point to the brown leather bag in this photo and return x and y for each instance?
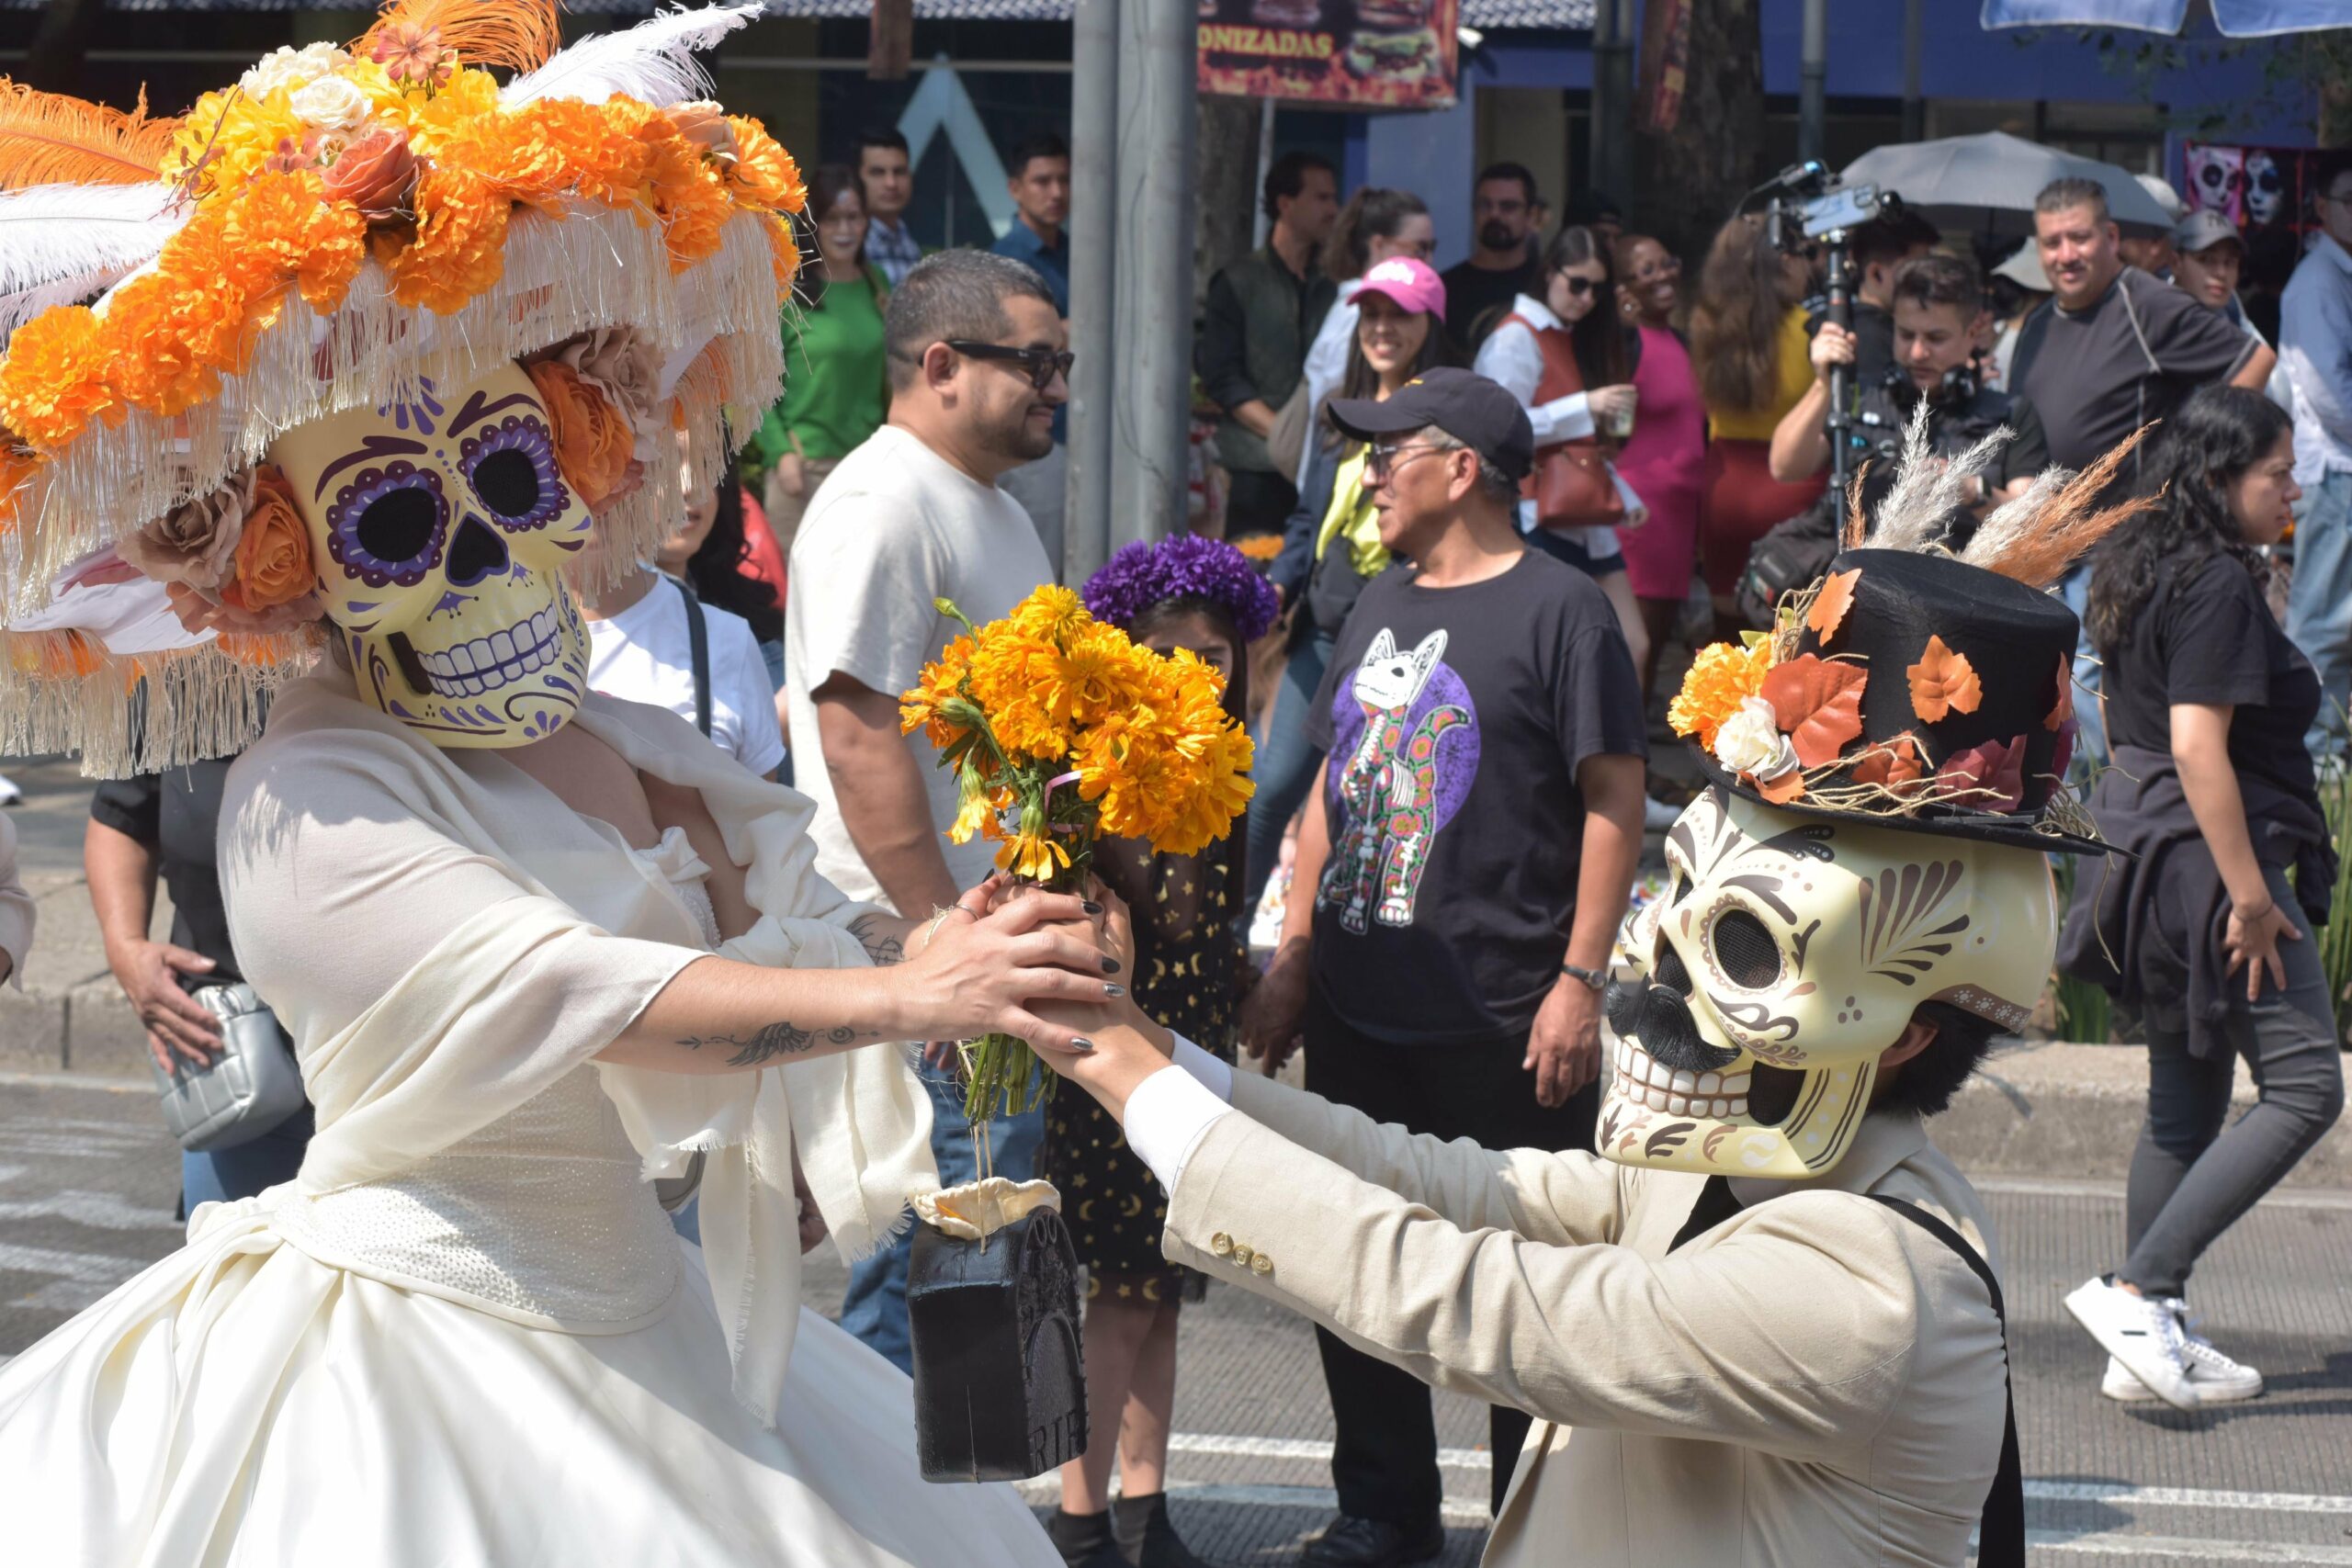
(1571, 485)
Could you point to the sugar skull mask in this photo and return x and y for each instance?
(1787, 954)
(438, 527)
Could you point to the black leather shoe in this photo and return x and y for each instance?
(1146, 1538)
(1353, 1542)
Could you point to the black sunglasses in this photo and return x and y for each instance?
(1577, 286)
(1041, 363)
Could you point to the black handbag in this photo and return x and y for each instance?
(999, 1373)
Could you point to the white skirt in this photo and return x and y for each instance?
(241, 1404)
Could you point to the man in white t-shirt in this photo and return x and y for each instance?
(977, 367)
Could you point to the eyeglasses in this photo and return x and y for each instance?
(1380, 462)
(1577, 286)
(1042, 364)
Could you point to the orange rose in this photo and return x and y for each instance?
(274, 552)
(704, 124)
(592, 442)
(376, 174)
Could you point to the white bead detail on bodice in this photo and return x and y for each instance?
(543, 1215)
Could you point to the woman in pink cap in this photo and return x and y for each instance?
(1331, 547)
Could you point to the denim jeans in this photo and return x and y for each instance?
(224, 1176)
(875, 1306)
(1284, 768)
(2191, 1177)
(2090, 720)
(2318, 604)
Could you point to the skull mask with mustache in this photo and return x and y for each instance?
(1786, 956)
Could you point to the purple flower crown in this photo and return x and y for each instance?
(1186, 566)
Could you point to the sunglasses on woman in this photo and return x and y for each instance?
(1578, 286)
(1042, 364)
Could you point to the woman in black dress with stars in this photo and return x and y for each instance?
(1201, 596)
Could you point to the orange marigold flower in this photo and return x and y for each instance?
(784, 251)
(53, 383)
(459, 249)
(764, 175)
(1719, 678)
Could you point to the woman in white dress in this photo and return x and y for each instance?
(536, 947)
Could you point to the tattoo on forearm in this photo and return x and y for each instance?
(776, 1040)
(873, 934)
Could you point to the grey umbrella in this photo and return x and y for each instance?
(1985, 185)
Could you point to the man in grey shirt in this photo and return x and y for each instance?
(2112, 349)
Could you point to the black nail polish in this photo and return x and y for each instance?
(1115, 992)
(1082, 1044)
(1089, 905)
(1110, 967)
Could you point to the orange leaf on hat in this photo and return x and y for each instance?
(2064, 708)
(1989, 777)
(1943, 682)
(1782, 790)
(1817, 704)
(1829, 605)
(1889, 764)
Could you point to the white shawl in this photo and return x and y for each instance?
(436, 930)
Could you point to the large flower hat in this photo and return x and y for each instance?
(371, 227)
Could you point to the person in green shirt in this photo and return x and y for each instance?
(836, 383)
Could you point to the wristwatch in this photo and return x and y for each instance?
(1594, 979)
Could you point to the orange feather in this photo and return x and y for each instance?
(49, 139)
(2073, 522)
(516, 34)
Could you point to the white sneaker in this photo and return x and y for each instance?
(2143, 1334)
(1657, 815)
(2217, 1378)
(9, 793)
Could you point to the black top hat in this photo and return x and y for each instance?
(1921, 693)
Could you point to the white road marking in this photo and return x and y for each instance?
(99, 1211)
(2111, 1544)
(1310, 1499)
(82, 1267)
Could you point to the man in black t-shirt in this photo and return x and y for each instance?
(1480, 289)
(1464, 861)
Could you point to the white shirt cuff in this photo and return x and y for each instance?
(1216, 1076)
(1168, 1115)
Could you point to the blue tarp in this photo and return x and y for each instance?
(2234, 18)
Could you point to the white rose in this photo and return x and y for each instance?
(1750, 742)
(291, 69)
(332, 103)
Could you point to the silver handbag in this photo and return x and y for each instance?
(245, 1092)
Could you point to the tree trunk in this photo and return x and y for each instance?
(1228, 166)
(1689, 179)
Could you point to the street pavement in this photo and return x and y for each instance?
(88, 1183)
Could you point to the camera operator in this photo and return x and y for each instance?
(1938, 313)
(1879, 249)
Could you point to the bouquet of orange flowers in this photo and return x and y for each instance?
(1062, 730)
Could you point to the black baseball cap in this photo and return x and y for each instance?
(1462, 404)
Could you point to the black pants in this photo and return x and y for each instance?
(1257, 501)
(1384, 1463)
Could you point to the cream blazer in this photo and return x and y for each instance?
(1816, 1382)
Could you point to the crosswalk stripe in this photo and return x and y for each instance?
(2107, 1543)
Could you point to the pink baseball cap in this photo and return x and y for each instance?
(1408, 283)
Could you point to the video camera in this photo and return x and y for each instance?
(1809, 209)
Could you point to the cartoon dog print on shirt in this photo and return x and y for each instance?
(1402, 781)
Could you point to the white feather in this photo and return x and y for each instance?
(652, 62)
(64, 242)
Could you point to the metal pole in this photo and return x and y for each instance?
(1264, 225)
(1612, 95)
(1915, 103)
(1157, 142)
(1813, 101)
(1093, 224)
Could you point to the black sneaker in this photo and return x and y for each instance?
(1355, 1542)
